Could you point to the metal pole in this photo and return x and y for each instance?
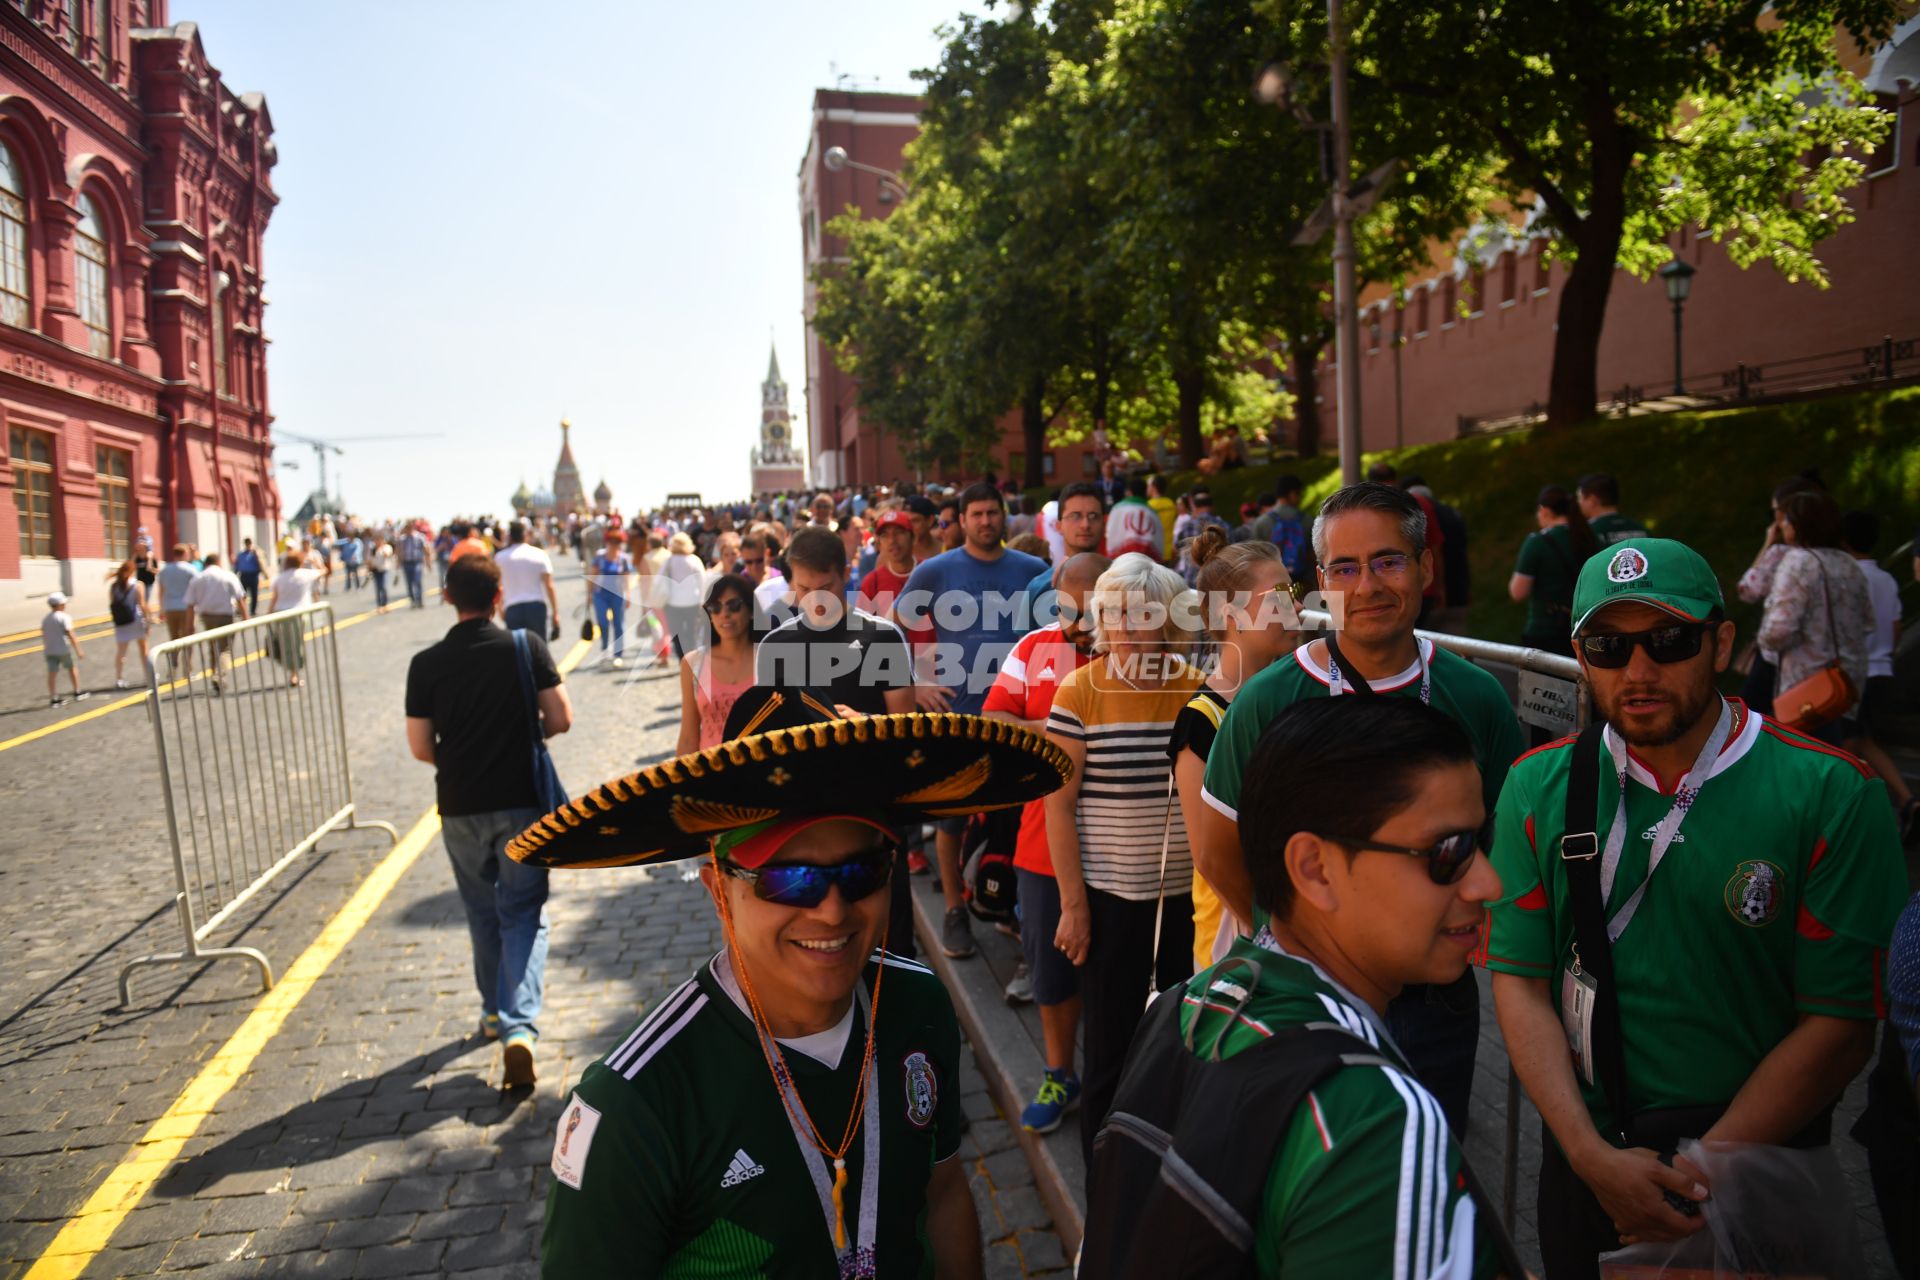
(1345, 292)
(1678, 389)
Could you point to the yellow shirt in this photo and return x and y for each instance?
(1163, 507)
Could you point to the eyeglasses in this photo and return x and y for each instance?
(802, 884)
(732, 604)
(944, 523)
(1387, 568)
(1447, 858)
(753, 559)
(1676, 642)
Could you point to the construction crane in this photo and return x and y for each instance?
(322, 447)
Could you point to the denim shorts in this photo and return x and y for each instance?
(1055, 980)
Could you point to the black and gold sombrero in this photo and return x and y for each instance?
(792, 757)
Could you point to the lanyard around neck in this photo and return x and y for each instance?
(1337, 680)
(1663, 835)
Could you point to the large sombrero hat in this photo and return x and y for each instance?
(795, 758)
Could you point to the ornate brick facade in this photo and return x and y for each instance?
(132, 347)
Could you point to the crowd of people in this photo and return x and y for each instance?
(1185, 793)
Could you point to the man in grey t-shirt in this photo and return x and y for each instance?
(175, 576)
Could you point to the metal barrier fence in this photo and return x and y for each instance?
(250, 728)
(1551, 694)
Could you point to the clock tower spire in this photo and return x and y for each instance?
(776, 466)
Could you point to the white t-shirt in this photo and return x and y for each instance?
(56, 633)
(215, 591)
(685, 577)
(524, 570)
(1885, 594)
(294, 587)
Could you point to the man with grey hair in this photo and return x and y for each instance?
(1370, 542)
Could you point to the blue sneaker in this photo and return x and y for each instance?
(1057, 1096)
(490, 1025)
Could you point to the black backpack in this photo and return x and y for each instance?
(1181, 1162)
(987, 850)
(120, 606)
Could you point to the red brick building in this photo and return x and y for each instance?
(134, 191)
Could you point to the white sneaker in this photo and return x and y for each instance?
(121, 684)
(618, 664)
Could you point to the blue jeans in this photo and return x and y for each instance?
(506, 913)
(413, 571)
(528, 615)
(379, 588)
(610, 615)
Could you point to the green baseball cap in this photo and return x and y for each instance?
(1657, 571)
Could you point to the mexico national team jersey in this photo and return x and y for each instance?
(1367, 1179)
(675, 1156)
(1465, 692)
(1777, 898)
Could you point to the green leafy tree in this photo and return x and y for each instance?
(1625, 120)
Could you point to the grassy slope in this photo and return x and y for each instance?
(1703, 478)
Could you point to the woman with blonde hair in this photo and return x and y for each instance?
(684, 579)
(127, 605)
(1246, 600)
(1118, 841)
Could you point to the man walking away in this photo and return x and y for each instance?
(1287, 530)
(175, 576)
(1132, 525)
(413, 565)
(1696, 909)
(216, 596)
(467, 717)
(1599, 497)
(380, 568)
(247, 565)
(526, 583)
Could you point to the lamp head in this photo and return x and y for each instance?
(836, 158)
(1678, 276)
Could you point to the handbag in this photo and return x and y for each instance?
(1824, 696)
(586, 629)
(547, 788)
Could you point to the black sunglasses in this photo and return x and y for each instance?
(1447, 858)
(1675, 642)
(802, 884)
(732, 604)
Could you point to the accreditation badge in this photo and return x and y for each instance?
(1579, 993)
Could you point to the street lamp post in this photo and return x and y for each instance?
(1346, 311)
(892, 185)
(1678, 276)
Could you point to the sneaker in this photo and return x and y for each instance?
(618, 664)
(56, 702)
(1020, 990)
(83, 695)
(956, 935)
(1009, 927)
(120, 684)
(518, 1055)
(1057, 1096)
(490, 1025)
(917, 863)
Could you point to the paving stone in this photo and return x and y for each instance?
(490, 1186)
(408, 1258)
(206, 1250)
(487, 1251)
(473, 1220)
(358, 1233)
(1041, 1250)
(418, 1194)
(1009, 1169)
(249, 1213)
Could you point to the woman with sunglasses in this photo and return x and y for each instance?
(1361, 831)
(1240, 586)
(794, 1107)
(715, 675)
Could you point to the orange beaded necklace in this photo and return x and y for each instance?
(777, 1064)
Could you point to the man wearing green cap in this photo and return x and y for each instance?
(1696, 906)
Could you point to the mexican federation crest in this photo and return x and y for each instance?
(1627, 565)
(923, 1090)
(1755, 893)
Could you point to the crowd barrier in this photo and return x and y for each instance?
(1550, 693)
(253, 767)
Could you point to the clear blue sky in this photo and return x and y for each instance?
(492, 214)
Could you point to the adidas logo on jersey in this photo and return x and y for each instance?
(740, 1169)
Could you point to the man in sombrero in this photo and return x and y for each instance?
(793, 1108)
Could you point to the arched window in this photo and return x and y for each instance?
(90, 252)
(73, 26)
(222, 282)
(15, 291)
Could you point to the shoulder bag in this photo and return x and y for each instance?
(547, 788)
(1824, 696)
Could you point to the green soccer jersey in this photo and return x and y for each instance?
(1777, 898)
(675, 1156)
(1614, 527)
(1548, 557)
(1465, 692)
(1367, 1180)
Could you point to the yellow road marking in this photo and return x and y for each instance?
(138, 698)
(78, 622)
(88, 1232)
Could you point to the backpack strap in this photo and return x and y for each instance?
(1593, 953)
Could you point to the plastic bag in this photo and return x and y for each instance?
(1774, 1212)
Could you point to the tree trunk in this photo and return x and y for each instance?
(1306, 399)
(1033, 433)
(1574, 388)
(1191, 385)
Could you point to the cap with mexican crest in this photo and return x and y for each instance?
(1668, 575)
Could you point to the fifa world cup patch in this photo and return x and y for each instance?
(1755, 892)
(923, 1090)
(571, 1143)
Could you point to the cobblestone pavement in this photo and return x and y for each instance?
(370, 1136)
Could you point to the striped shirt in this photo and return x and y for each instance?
(1123, 806)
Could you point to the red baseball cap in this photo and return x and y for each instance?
(892, 520)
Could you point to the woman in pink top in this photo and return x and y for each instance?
(718, 672)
